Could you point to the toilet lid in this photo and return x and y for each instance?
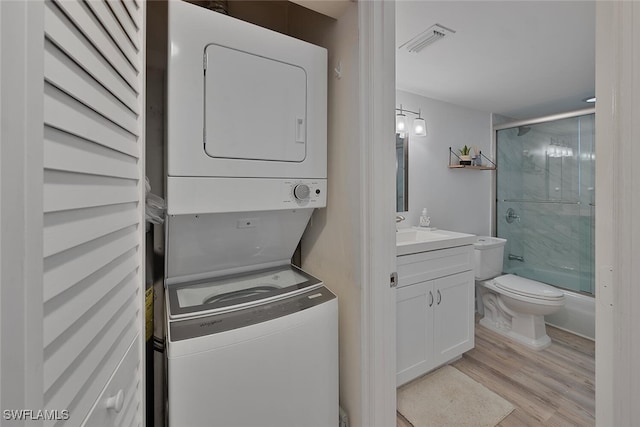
(529, 288)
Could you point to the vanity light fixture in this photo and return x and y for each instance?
(401, 123)
(419, 127)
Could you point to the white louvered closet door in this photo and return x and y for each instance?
(93, 202)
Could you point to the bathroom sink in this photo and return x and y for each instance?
(414, 240)
(415, 235)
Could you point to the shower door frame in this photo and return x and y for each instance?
(494, 149)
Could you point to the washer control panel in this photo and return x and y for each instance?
(305, 192)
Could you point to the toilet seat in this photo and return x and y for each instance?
(520, 286)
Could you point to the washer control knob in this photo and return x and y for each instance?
(301, 191)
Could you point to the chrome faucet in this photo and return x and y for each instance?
(512, 216)
(399, 218)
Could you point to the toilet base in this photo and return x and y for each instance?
(543, 341)
(517, 317)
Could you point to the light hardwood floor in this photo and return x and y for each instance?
(552, 387)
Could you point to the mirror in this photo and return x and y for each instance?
(402, 173)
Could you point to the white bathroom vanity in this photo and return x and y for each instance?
(435, 299)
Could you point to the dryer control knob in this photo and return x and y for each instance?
(301, 191)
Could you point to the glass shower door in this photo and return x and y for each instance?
(545, 195)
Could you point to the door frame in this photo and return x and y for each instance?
(21, 204)
(617, 210)
(377, 194)
(616, 231)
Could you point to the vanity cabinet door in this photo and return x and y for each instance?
(414, 330)
(453, 322)
(434, 310)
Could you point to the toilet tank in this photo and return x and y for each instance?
(489, 253)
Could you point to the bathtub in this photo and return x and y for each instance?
(578, 316)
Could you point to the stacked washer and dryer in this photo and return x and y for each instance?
(251, 339)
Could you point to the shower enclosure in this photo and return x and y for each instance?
(545, 199)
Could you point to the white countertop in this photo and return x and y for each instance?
(417, 239)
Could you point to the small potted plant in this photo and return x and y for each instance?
(465, 156)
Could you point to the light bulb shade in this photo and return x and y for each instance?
(401, 123)
(419, 127)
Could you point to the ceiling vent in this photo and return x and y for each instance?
(429, 36)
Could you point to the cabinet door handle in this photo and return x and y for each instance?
(115, 402)
(439, 297)
(430, 298)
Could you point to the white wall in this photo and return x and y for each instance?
(331, 244)
(456, 199)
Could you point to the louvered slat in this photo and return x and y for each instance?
(131, 11)
(64, 151)
(62, 311)
(69, 229)
(66, 36)
(81, 17)
(115, 30)
(79, 389)
(82, 403)
(121, 14)
(65, 270)
(64, 191)
(127, 416)
(67, 76)
(64, 113)
(63, 353)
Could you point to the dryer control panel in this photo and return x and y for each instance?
(197, 195)
(305, 193)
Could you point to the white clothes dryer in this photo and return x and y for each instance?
(246, 116)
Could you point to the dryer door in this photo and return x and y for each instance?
(255, 107)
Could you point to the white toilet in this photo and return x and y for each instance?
(513, 306)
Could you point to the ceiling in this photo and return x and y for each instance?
(332, 8)
(519, 59)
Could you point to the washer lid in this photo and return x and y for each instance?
(183, 329)
(528, 288)
(239, 290)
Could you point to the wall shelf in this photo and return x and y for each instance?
(455, 165)
(481, 168)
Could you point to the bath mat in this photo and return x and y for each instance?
(447, 397)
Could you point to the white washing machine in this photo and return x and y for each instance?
(255, 349)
